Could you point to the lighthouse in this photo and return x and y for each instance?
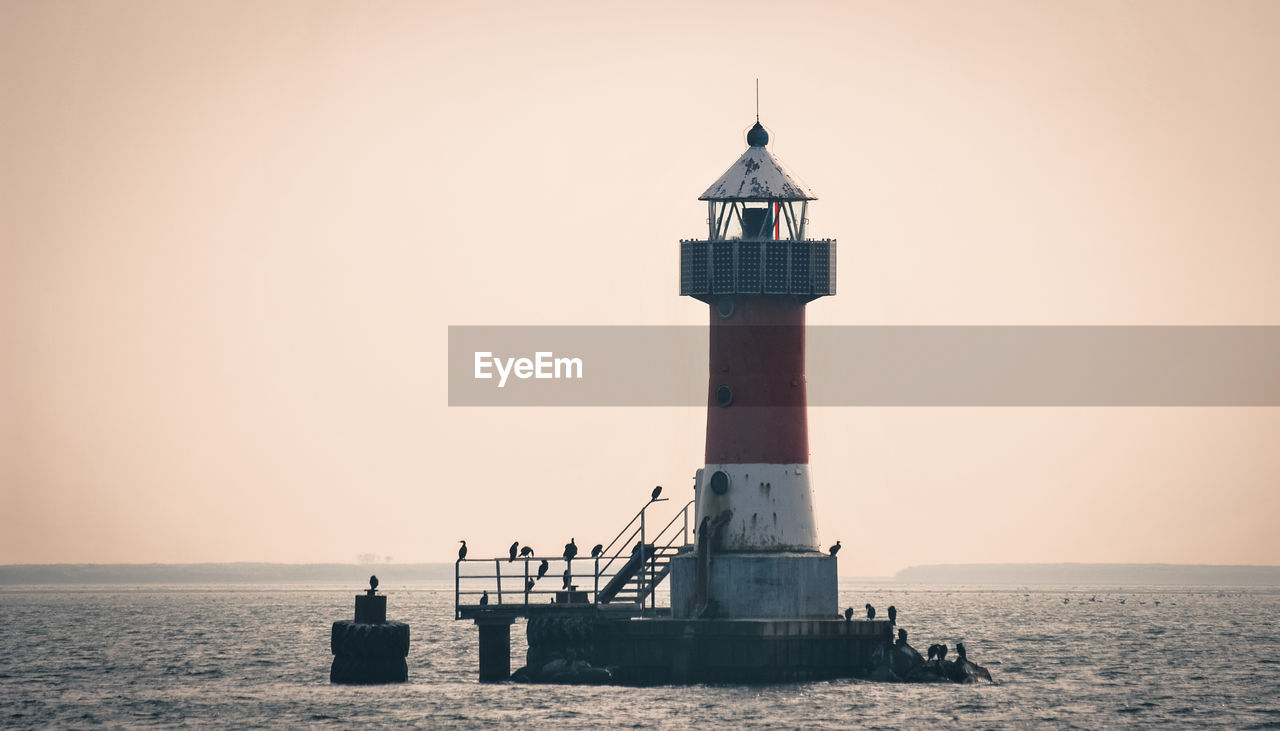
(757, 553)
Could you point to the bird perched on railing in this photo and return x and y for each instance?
(568, 578)
(512, 551)
(484, 598)
(542, 568)
(528, 585)
(462, 552)
(834, 549)
(570, 550)
(656, 492)
(526, 552)
(599, 549)
(871, 611)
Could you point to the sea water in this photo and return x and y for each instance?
(238, 655)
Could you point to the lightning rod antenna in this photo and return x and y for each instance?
(757, 99)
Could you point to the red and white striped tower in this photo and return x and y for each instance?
(757, 271)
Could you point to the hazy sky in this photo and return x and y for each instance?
(233, 234)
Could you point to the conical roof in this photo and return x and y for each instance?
(758, 176)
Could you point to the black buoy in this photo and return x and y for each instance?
(512, 551)
(526, 552)
(893, 614)
(656, 492)
(542, 568)
(369, 649)
(599, 549)
(871, 612)
(848, 614)
(835, 549)
(462, 552)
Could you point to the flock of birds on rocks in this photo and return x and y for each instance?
(570, 552)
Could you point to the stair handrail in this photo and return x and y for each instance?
(684, 513)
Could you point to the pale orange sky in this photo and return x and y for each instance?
(233, 234)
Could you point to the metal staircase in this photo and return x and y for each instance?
(636, 578)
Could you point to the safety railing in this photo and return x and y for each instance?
(519, 583)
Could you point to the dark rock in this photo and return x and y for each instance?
(964, 671)
(904, 660)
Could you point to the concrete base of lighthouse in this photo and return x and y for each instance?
(756, 586)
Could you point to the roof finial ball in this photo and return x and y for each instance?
(757, 136)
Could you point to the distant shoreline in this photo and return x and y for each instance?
(442, 574)
(1091, 573)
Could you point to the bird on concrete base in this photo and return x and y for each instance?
(834, 549)
(484, 598)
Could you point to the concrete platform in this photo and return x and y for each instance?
(659, 651)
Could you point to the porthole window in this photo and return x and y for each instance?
(724, 396)
(724, 307)
(719, 482)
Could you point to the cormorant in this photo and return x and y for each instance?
(484, 598)
(462, 552)
(599, 549)
(835, 549)
(933, 652)
(526, 551)
(848, 614)
(568, 578)
(512, 551)
(942, 651)
(902, 637)
(373, 583)
(570, 550)
(528, 585)
(656, 492)
(960, 650)
(893, 614)
(871, 612)
(542, 568)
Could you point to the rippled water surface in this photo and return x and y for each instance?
(240, 655)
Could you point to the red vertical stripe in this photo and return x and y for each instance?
(777, 208)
